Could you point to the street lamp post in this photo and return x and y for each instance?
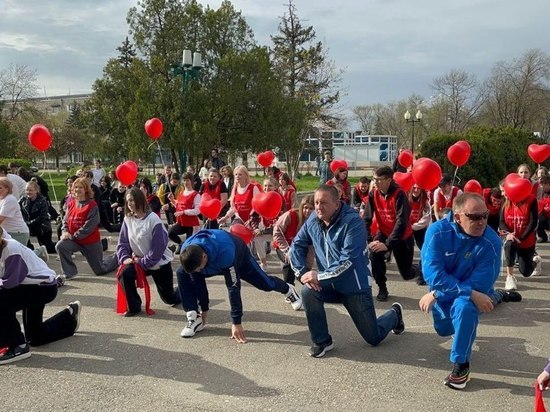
(413, 121)
(189, 70)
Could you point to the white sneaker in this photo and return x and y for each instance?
(263, 266)
(537, 261)
(511, 283)
(194, 325)
(42, 253)
(293, 297)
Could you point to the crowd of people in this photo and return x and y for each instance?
(334, 242)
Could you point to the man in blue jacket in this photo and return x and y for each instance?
(339, 238)
(461, 262)
(213, 252)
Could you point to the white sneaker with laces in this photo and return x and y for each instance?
(194, 325)
(537, 261)
(511, 283)
(293, 297)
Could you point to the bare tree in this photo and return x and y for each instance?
(366, 117)
(518, 92)
(460, 98)
(17, 83)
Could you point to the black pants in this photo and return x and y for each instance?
(32, 299)
(524, 257)
(44, 238)
(176, 230)
(288, 273)
(542, 227)
(163, 278)
(403, 251)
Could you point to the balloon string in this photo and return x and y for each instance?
(51, 179)
(454, 177)
(163, 165)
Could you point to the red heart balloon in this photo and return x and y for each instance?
(459, 153)
(210, 208)
(426, 173)
(517, 188)
(405, 158)
(126, 173)
(539, 152)
(268, 204)
(405, 180)
(40, 137)
(154, 128)
(242, 231)
(266, 158)
(473, 186)
(335, 164)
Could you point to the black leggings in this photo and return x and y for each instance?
(176, 229)
(403, 250)
(525, 257)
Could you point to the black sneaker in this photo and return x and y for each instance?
(76, 308)
(400, 328)
(459, 377)
(382, 294)
(318, 351)
(14, 354)
(510, 295)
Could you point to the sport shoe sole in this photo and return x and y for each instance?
(455, 383)
(293, 297)
(76, 306)
(400, 328)
(323, 352)
(11, 356)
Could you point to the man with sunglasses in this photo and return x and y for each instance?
(461, 262)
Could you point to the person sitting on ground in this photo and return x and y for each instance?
(338, 236)
(28, 284)
(143, 241)
(460, 263)
(34, 210)
(80, 233)
(212, 252)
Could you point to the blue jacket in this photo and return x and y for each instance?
(340, 251)
(454, 263)
(220, 248)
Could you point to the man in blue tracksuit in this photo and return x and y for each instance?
(339, 238)
(213, 252)
(461, 262)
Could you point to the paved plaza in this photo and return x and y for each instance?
(142, 363)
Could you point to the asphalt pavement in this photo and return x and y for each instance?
(141, 363)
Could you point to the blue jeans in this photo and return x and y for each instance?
(459, 317)
(360, 307)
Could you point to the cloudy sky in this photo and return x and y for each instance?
(389, 49)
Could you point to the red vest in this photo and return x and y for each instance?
(291, 230)
(243, 203)
(287, 198)
(76, 217)
(417, 208)
(215, 192)
(544, 205)
(443, 203)
(385, 213)
(185, 202)
(516, 217)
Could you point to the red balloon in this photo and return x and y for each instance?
(154, 128)
(210, 208)
(126, 173)
(473, 186)
(242, 231)
(266, 158)
(459, 153)
(132, 165)
(405, 180)
(426, 173)
(405, 158)
(268, 204)
(517, 188)
(335, 164)
(539, 152)
(40, 137)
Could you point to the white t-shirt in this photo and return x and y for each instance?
(13, 219)
(98, 174)
(18, 185)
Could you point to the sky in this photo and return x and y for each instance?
(388, 49)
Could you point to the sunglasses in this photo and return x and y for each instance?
(477, 216)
